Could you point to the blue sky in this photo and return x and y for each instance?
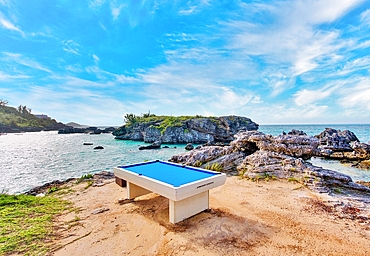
(276, 62)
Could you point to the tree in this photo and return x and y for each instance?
(24, 110)
(130, 118)
(3, 102)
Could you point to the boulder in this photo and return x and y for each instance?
(189, 146)
(99, 147)
(296, 132)
(154, 145)
(341, 145)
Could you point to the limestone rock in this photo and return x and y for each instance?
(154, 145)
(193, 130)
(254, 154)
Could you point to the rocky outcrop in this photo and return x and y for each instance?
(256, 155)
(98, 179)
(186, 130)
(343, 145)
(90, 130)
(15, 129)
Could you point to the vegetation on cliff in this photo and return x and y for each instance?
(159, 122)
(21, 119)
(182, 129)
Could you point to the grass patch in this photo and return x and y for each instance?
(89, 184)
(294, 179)
(214, 167)
(198, 163)
(26, 223)
(52, 190)
(85, 177)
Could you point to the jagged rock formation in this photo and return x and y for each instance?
(342, 145)
(256, 155)
(185, 129)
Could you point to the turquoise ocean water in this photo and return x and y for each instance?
(32, 159)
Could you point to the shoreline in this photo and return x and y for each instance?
(245, 218)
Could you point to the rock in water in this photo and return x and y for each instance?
(99, 147)
(189, 146)
(154, 145)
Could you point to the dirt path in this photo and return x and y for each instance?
(246, 218)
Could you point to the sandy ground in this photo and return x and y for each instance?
(246, 218)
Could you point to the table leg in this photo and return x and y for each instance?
(135, 191)
(180, 210)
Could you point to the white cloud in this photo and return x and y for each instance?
(362, 63)
(122, 79)
(116, 10)
(365, 17)
(71, 46)
(96, 3)
(91, 108)
(232, 100)
(315, 12)
(96, 58)
(293, 39)
(9, 25)
(7, 77)
(307, 97)
(357, 95)
(18, 58)
(188, 11)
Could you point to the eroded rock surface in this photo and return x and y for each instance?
(257, 155)
(193, 130)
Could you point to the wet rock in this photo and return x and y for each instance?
(296, 132)
(189, 146)
(88, 143)
(154, 145)
(99, 147)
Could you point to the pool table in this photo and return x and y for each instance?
(186, 187)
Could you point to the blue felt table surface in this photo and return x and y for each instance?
(168, 173)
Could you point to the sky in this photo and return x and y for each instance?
(276, 62)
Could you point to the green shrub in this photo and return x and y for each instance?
(52, 189)
(214, 167)
(85, 177)
(198, 163)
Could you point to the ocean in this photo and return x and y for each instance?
(32, 159)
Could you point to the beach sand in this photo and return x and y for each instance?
(246, 218)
